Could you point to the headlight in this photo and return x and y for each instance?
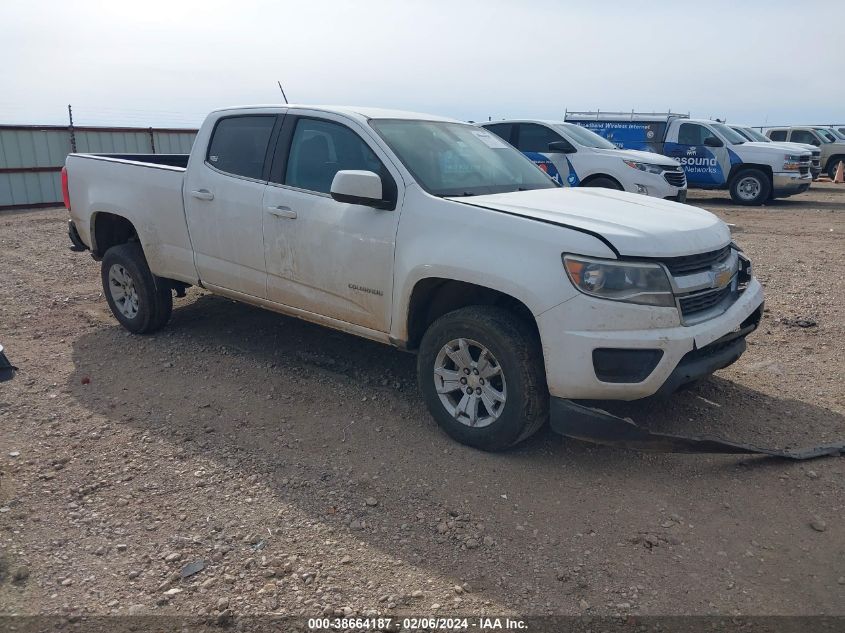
(646, 284)
(791, 162)
(652, 169)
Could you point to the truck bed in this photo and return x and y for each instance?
(146, 189)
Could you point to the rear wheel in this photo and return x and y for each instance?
(750, 187)
(481, 373)
(138, 299)
(601, 181)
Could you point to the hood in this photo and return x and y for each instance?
(640, 156)
(636, 225)
(787, 146)
(765, 151)
(799, 146)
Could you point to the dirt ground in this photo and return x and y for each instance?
(299, 465)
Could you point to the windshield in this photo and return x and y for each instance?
(825, 135)
(457, 159)
(585, 137)
(837, 135)
(752, 135)
(734, 138)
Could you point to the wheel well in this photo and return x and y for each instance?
(833, 160)
(111, 230)
(766, 169)
(593, 177)
(434, 297)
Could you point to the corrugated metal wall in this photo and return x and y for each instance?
(31, 157)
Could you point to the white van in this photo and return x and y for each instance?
(712, 154)
(574, 156)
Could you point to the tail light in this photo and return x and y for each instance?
(65, 190)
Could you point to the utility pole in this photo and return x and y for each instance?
(70, 129)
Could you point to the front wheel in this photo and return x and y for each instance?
(601, 181)
(750, 187)
(138, 299)
(482, 377)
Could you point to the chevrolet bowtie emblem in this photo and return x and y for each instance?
(721, 274)
(722, 278)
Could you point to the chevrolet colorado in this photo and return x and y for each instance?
(433, 236)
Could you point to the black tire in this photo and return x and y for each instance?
(831, 166)
(154, 294)
(602, 181)
(516, 348)
(750, 187)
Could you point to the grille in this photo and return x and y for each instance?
(693, 263)
(702, 301)
(804, 169)
(676, 178)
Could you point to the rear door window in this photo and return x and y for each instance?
(778, 135)
(239, 144)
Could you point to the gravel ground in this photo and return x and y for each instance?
(297, 467)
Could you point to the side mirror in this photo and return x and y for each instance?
(712, 141)
(561, 146)
(355, 186)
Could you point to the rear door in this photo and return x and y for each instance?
(223, 203)
(327, 257)
(691, 144)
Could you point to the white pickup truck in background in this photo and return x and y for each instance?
(712, 154)
(827, 140)
(815, 153)
(577, 157)
(431, 235)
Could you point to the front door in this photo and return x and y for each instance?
(329, 258)
(533, 139)
(223, 204)
(694, 146)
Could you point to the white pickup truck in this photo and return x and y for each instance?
(431, 235)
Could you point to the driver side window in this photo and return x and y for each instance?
(803, 136)
(694, 134)
(532, 137)
(320, 149)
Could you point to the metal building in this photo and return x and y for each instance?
(32, 156)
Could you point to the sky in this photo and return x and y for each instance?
(169, 62)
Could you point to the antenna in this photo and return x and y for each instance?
(283, 91)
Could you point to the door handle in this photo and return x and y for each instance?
(202, 194)
(282, 212)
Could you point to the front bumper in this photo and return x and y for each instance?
(655, 184)
(790, 183)
(572, 331)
